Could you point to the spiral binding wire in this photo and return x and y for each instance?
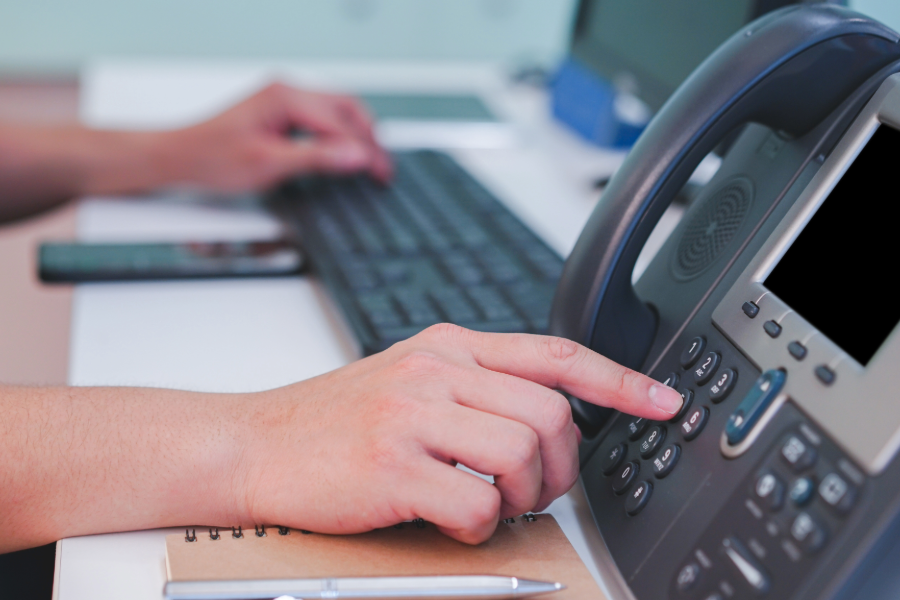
(190, 535)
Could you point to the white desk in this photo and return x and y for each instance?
(254, 335)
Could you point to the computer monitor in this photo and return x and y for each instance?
(641, 48)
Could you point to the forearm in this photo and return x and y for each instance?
(76, 461)
(44, 166)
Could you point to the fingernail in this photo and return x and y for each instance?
(665, 398)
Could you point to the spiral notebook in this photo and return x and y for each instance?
(531, 547)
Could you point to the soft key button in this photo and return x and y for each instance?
(754, 404)
(746, 565)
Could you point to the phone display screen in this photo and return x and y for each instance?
(839, 274)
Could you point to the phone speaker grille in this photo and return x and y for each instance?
(711, 228)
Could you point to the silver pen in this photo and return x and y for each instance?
(447, 587)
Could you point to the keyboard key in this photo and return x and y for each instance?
(455, 305)
(491, 303)
(463, 269)
(417, 307)
(379, 308)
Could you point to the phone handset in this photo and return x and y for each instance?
(787, 70)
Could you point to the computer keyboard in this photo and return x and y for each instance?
(434, 246)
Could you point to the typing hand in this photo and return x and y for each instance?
(248, 146)
(376, 442)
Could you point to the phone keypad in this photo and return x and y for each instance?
(652, 443)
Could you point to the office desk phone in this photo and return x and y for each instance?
(771, 309)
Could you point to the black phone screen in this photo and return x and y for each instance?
(839, 272)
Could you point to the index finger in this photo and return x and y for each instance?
(558, 363)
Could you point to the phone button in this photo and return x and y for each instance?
(687, 397)
(707, 366)
(638, 498)
(665, 462)
(746, 565)
(614, 458)
(692, 352)
(770, 491)
(694, 424)
(722, 385)
(624, 476)
(754, 404)
(652, 441)
(772, 328)
(751, 309)
(671, 380)
(636, 427)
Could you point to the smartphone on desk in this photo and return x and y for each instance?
(81, 263)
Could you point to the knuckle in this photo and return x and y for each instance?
(557, 413)
(524, 447)
(624, 380)
(418, 362)
(485, 506)
(443, 332)
(560, 351)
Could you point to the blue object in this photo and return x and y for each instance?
(587, 103)
(754, 405)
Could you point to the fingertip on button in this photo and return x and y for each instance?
(665, 398)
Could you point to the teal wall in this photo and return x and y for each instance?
(59, 35)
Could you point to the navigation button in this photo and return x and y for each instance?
(692, 352)
(746, 565)
(837, 493)
(614, 458)
(707, 366)
(638, 497)
(665, 462)
(797, 453)
(687, 397)
(625, 476)
(722, 385)
(695, 422)
(636, 427)
(652, 440)
(802, 491)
